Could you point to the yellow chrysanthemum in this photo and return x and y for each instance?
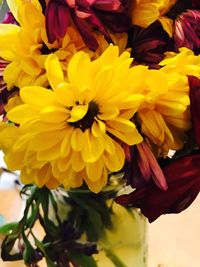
(27, 46)
(184, 62)
(145, 12)
(72, 132)
(164, 115)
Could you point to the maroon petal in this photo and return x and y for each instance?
(85, 32)
(194, 83)
(57, 20)
(109, 5)
(116, 22)
(183, 177)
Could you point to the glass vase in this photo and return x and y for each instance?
(125, 244)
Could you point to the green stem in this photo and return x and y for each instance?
(113, 257)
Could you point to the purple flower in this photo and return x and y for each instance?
(149, 44)
(187, 31)
(86, 16)
(195, 106)
(183, 178)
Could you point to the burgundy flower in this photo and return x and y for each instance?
(183, 178)
(142, 167)
(187, 31)
(148, 45)
(86, 15)
(196, 4)
(195, 106)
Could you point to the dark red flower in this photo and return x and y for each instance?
(142, 167)
(183, 178)
(196, 4)
(86, 15)
(148, 45)
(194, 84)
(187, 31)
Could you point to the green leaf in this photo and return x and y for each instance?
(7, 246)
(41, 246)
(6, 228)
(82, 260)
(29, 252)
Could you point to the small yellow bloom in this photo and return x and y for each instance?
(184, 63)
(145, 12)
(164, 115)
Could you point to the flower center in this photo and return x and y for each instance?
(45, 50)
(87, 121)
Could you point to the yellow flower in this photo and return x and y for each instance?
(184, 63)
(73, 132)
(164, 115)
(145, 12)
(27, 47)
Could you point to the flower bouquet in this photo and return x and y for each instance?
(95, 95)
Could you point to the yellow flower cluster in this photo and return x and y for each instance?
(72, 132)
(26, 45)
(77, 108)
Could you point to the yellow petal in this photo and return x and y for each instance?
(77, 139)
(130, 138)
(49, 154)
(54, 114)
(77, 162)
(54, 71)
(63, 163)
(121, 125)
(108, 112)
(167, 25)
(94, 170)
(37, 96)
(97, 186)
(79, 66)
(44, 141)
(11, 73)
(78, 112)
(65, 145)
(114, 162)
(8, 35)
(13, 7)
(98, 128)
(92, 147)
(64, 94)
(21, 114)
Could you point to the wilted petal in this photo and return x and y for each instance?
(195, 106)
(183, 178)
(57, 19)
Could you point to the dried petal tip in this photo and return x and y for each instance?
(143, 168)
